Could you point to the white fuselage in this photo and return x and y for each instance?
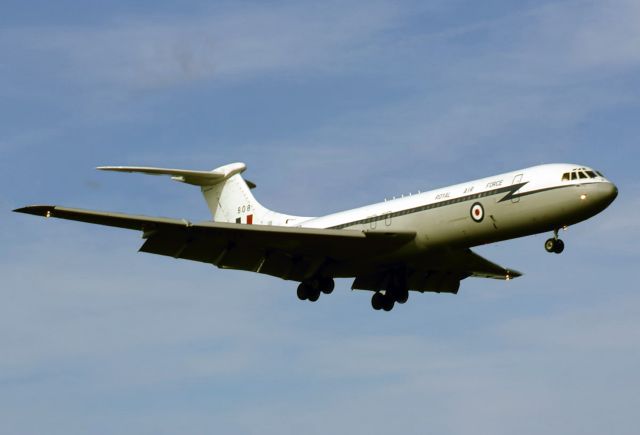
(513, 204)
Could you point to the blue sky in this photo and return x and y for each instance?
(331, 105)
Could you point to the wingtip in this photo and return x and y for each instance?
(36, 210)
(511, 274)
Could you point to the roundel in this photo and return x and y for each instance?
(477, 212)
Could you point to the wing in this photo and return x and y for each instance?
(437, 271)
(287, 252)
(467, 262)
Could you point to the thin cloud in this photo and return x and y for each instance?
(226, 44)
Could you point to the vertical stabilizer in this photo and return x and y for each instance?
(231, 200)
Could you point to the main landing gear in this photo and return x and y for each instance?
(310, 290)
(554, 244)
(382, 301)
(386, 301)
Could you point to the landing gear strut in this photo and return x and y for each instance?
(554, 244)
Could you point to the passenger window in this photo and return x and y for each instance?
(565, 176)
(582, 175)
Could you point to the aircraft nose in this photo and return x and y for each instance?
(600, 195)
(614, 191)
(609, 192)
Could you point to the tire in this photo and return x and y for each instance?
(377, 301)
(388, 303)
(303, 292)
(550, 245)
(313, 295)
(327, 285)
(401, 296)
(559, 247)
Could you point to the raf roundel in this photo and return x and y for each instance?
(477, 212)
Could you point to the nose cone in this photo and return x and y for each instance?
(613, 194)
(601, 195)
(608, 192)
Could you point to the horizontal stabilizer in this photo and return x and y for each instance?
(197, 178)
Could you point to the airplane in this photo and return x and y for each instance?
(420, 242)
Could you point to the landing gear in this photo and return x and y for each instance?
(382, 301)
(388, 304)
(396, 290)
(303, 291)
(326, 285)
(310, 290)
(377, 301)
(386, 301)
(401, 295)
(554, 244)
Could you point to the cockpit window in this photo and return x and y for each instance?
(581, 173)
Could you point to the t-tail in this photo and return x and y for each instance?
(228, 195)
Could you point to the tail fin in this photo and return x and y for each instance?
(228, 195)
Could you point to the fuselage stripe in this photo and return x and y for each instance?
(510, 190)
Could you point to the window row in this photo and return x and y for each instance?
(580, 174)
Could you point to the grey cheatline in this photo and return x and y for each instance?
(414, 243)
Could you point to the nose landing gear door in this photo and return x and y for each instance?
(516, 180)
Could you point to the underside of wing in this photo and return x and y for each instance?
(287, 252)
(437, 271)
(295, 253)
(471, 264)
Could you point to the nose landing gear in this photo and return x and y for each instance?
(554, 245)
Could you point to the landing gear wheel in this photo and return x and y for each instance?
(327, 285)
(313, 295)
(303, 292)
(388, 303)
(559, 247)
(377, 301)
(401, 296)
(554, 245)
(550, 245)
